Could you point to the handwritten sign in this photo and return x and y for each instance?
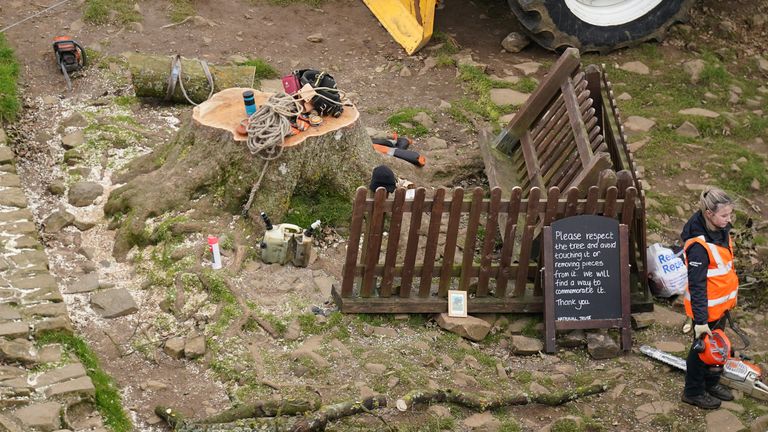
(586, 276)
(586, 268)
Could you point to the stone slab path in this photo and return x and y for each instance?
(39, 383)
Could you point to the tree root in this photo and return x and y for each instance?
(314, 422)
(271, 415)
(479, 403)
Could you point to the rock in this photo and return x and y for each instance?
(464, 58)
(13, 197)
(75, 139)
(87, 283)
(14, 330)
(444, 105)
(272, 85)
(688, 130)
(174, 347)
(642, 320)
(57, 187)
(45, 417)
(506, 96)
(635, 67)
(439, 411)
(694, 69)
(8, 313)
(315, 38)
(537, 389)
(671, 346)
(405, 72)
(293, 331)
(647, 412)
(194, 346)
(324, 284)
(3, 137)
(723, 421)
(637, 145)
(57, 220)
(638, 124)
(83, 194)
(699, 112)
(82, 387)
(424, 119)
(74, 120)
(84, 225)
(601, 346)
(759, 424)
(17, 350)
(6, 154)
(384, 331)
(469, 327)
(528, 68)
(505, 119)
(435, 143)
(375, 368)
(237, 59)
(429, 64)
(113, 303)
(755, 185)
(624, 97)
(482, 422)
(515, 42)
(762, 65)
(392, 382)
(524, 345)
(501, 372)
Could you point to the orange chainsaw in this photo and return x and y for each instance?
(70, 56)
(715, 351)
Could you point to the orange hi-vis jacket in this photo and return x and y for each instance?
(722, 282)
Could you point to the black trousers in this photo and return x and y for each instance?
(698, 376)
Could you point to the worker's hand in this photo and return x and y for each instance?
(700, 329)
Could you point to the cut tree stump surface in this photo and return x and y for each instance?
(225, 110)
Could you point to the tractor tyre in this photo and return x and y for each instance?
(598, 25)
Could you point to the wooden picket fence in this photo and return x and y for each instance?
(402, 254)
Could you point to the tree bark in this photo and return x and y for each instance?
(480, 403)
(150, 73)
(206, 169)
(268, 408)
(311, 423)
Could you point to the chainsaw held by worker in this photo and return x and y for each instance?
(70, 56)
(737, 373)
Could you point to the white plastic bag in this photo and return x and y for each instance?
(667, 271)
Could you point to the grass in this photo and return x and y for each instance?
(101, 12)
(263, 69)
(433, 424)
(181, 9)
(406, 115)
(107, 394)
(9, 74)
(320, 201)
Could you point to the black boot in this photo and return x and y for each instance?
(721, 392)
(703, 400)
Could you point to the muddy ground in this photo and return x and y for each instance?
(243, 362)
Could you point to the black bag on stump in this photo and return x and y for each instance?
(327, 102)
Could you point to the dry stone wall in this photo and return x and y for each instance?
(39, 383)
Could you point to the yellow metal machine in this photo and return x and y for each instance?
(410, 22)
(590, 25)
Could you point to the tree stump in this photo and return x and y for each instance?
(209, 167)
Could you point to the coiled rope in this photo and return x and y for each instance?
(267, 129)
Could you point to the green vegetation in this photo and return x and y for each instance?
(103, 11)
(412, 128)
(9, 74)
(319, 200)
(263, 69)
(448, 47)
(107, 394)
(477, 82)
(180, 10)
(433, 424)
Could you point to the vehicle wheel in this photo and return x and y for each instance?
(598, 25)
